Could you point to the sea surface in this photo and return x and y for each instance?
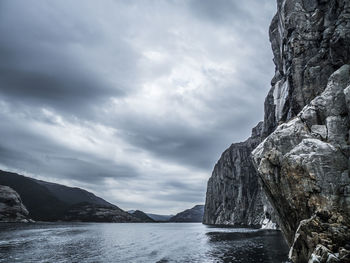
(149, 242)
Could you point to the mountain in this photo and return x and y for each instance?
(51, 202)
(142, 216)
(195, 214)
(40, 202)
(89, 212)
(154, 217)
(73, 195)
(234, 196)
(162, 218)
(303, 159)
(11, 206)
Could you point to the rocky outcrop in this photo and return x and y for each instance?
(234, 196)
(195, 214)
(11, 206)
(304, 167)
(304, 161)
(310, 40)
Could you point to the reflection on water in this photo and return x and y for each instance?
(166, 242)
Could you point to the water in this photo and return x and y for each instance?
(165, 242)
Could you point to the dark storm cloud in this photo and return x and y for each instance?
(137, 98)
(38, 65)
(219, 11)
(35, 154)
(176, 142)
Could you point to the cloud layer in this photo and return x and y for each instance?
(133, 100)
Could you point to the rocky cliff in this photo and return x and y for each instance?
(11, 206)
(304, 166)
(310, 40)
(234, 195)
(304, 161)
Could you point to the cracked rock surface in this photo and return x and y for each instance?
(310, 39)
(305, 172)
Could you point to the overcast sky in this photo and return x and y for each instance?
(132, 100)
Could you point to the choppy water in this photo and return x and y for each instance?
(166, 242)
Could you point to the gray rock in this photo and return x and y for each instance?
(304, 159)
(310, 39)
(11, 207)
(307, 175)
(234, 195)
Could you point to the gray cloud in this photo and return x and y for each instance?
(134, 101)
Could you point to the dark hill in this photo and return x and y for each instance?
(142, 216)
(52, 202)
(195, 214)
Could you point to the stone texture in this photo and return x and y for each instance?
(303, 162)
(11, 207)
(310, 39)
(234, 196)
(304, 167)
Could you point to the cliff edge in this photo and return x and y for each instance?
(304, 161)
(234, 196)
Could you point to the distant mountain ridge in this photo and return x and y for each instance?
(162, 218)
(195, 214)
(142, 216)
(52, 202)
(73, 195)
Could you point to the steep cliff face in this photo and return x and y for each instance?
(304, 162)
(11, 206)
(234, 196)
(310, 40)
(304, 166)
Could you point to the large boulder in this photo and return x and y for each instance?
(11, 206)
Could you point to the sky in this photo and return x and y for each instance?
(132, 100)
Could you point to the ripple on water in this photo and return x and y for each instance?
(138, 243)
